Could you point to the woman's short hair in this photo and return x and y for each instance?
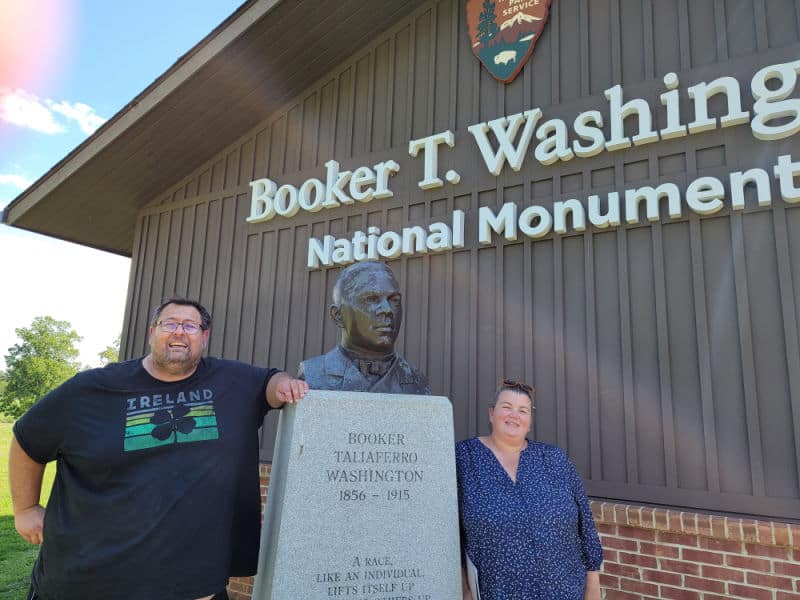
(514, 385)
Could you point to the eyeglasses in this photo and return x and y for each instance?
(518, 385)
(172, 326)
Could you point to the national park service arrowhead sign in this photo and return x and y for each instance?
(504, 32)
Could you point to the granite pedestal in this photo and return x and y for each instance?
(362, 501)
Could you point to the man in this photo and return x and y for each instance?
(367, 306)
(156, 495)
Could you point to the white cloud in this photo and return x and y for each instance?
(26, 110)
(18, 181)
(44, 115)
(83, 114)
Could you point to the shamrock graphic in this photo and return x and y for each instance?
(168, 422)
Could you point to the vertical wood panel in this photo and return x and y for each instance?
(788, 270)
(628, 334)
(631, 453)
(664, 361)
(748, 367)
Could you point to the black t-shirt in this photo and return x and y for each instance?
(156, 495)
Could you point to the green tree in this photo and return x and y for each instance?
(44, 359)
(111, 353)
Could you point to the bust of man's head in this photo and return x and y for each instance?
(367, 306)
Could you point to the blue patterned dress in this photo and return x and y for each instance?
(533, 539)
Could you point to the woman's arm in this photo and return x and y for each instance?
(466, 594)
(592, 591)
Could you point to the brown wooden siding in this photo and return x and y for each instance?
(665, 355)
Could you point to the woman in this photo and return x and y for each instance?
(526, 524)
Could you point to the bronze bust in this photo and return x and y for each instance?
(367, 306)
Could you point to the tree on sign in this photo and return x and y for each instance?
(43, 360)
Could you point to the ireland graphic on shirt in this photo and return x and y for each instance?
(163, 419)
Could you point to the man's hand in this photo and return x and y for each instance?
(30, 523)
(285, 389)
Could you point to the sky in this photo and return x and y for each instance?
(67, 66)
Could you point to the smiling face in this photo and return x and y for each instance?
(511, 416)
(370, 313)
(175, 355)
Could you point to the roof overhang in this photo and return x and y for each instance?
(260, 57)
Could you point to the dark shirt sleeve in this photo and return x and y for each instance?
(265, 406)
(590, 540)
(41, 431)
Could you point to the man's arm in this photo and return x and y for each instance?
(25, 476)
(284, 389)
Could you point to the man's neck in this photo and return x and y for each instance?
(156, 372)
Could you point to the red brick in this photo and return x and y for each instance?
(662, 522)
(782, 535)
(749, 530)
(620, 595)
(749, 563)
(778, 583)
(619, 543)
(767, 551)
(702, 556)
(714, 597)
(795, 529)
(607, 528)
(702, 584)
(704, 525)
(608, 513)
(638, 559)
(784, 568)
(787, 596)
(721, 545)
(662, 577)
(621, 570)
(610, 555)
(689, 521)
(677, 538)
(722, 573)
(734, 528)
(734, 589)
(648, 519)
(674, 521)
(640, 587)
(765, 534)
(632, 516)
(679, 594)
(677, 566)
(609, 581)
(659, 550)
(718, 527)
(637, 533)
(620, 515)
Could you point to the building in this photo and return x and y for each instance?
(662, 337)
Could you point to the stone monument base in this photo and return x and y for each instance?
(362, 501)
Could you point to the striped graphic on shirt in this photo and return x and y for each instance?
(163, 419)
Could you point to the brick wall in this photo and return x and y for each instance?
(659, 553)
(241, 588)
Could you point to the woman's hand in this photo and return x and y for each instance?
(466, 594)
(592, 591)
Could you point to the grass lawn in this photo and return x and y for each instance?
(16, 555)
